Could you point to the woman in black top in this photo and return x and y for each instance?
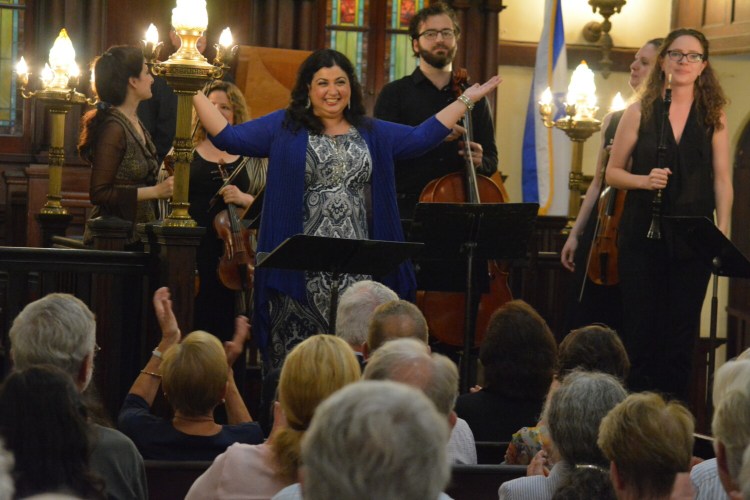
(663, 283)
(215, 303)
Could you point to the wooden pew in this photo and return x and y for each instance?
(491, 452)
(480, 482)
(170, 480)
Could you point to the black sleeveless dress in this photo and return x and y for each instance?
(663, 283)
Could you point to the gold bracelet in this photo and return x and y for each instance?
(145, 372)
(464, 99)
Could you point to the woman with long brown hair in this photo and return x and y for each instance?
(118, 147)
(663, 282)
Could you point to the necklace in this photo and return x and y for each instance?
(338, 169)
(194, 419)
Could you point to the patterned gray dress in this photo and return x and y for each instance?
(338, 172)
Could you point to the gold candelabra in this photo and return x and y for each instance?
(186, 71)
(578, 124)
(59, 79)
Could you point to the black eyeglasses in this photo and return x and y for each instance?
(447, 34)
(677, 56)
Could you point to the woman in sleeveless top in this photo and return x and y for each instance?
(113, 140)
(599, 303)
(215, 303)
(663, 282)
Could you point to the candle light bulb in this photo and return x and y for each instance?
(22, 69)
(618, 103)
(225, 40)
(152, 34)
(546, 97)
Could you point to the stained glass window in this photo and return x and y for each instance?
(348, 21)
(401, 60)
(11, 42)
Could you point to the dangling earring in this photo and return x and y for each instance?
(307, 106)
(349, 106)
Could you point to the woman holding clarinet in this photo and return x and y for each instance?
(671, 152)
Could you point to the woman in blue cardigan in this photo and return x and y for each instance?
(330, 173)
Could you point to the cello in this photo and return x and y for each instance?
(445, 312)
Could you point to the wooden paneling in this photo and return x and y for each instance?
(75, 197)
(726, 23)
(524, 54)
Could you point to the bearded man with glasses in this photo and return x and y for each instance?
(410, 100)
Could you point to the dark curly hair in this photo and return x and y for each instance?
(112, 71)
(593, 348)
(709, 96)
(519, 353)
(43, 422)
(435, 9)
(299, 115)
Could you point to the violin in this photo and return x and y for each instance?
(236, 268)
(602, 261)
(445, 312)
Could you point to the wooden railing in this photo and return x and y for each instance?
(115, 285)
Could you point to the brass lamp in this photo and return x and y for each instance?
(186, 71)
(59, 79)
(578, 124)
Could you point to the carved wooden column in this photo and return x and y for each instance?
(175, 249)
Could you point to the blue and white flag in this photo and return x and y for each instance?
(547, 152)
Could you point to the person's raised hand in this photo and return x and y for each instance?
(170, 331)
(233, 348)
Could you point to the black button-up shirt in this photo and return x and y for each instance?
(411, 100)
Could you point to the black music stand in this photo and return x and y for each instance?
(304, 252)
(466, 232)
(725, 259)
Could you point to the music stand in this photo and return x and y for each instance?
(470, 231)
(725, 259)
(338, 256)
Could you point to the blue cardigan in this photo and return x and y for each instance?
(282, 206)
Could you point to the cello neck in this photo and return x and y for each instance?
(472, 187)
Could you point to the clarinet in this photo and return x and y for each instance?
(654, 231)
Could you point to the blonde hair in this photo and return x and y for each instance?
(312, 371)
(649, 440)
(236, 99)
(194, 374)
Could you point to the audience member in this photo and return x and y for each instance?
(573, 415)
(717, 478)
(394, 320)
(43, 423)
(744, 477)
(312, 371)
(519, 355)
(355, 310)
(353, 315)
(196, 375)
(60, 330)
(374, 440)
(408, 361)
(593, 348)
(648, 442)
